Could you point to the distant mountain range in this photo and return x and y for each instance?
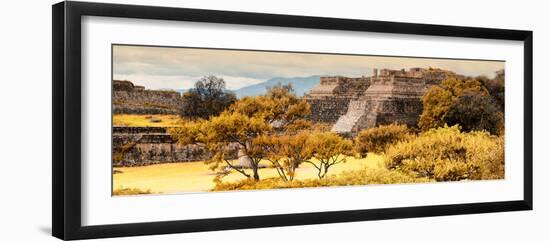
(301, 85)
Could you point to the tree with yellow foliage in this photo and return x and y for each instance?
(286, 152)
(465, 102)
(219, 132)
(251, 123)
(279, 107)
(329, 149)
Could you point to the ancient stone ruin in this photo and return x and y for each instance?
(391, 96)
(349, 104)
(330, 99)
(136, 146)
(133, 99)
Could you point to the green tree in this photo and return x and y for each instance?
(208, 98)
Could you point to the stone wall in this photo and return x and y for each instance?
(131, 99)
(137, 146)
(387, 110)
(330, 99)
(138, 130)
(392, 96)
(328, 109)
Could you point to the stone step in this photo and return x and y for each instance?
(345, 123)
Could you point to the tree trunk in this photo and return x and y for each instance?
(255, 171)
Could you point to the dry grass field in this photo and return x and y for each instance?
(146, 120)
(196, 177)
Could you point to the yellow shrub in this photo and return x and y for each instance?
(350, 178)
(130, 191)
(447, 154)
(378, 139)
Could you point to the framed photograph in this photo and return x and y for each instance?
(171, 120)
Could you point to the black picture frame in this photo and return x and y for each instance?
(66, 127)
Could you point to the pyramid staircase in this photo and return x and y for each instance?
(346, 123)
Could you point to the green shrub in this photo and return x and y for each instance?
(447, 154)
(378, 139)
(349, 178)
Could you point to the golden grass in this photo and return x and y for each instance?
(196, 177)
(145, 120)
(130, 191)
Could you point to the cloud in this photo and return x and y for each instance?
(158, 81)
(179, 68)
(181, 81)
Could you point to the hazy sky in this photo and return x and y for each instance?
(179, 68)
